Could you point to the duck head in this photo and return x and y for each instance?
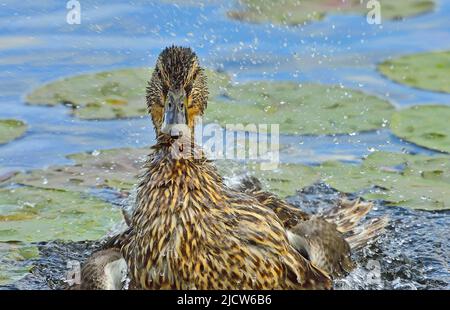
(177, 93)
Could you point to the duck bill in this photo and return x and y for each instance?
(175, 115)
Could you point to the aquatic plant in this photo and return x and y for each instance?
(31, 214)
(294, 12)
(11, 129)
(425, 125)
(429, 71)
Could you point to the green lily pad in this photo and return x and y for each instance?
(31, 214)
(107, 95)
(279, 12)
(286, 179)
(429, 71)
(283, 181)
(11, 129)
(401, 9)
(424, 125)
(414, 181)
(294, 12)
(15, 261)
(116, 168)
(104, 95)
(300, 109)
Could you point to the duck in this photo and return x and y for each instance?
(189, 230)
(104, 270)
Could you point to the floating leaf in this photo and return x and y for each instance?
(429, 71)
(294, 12)
(116, 168)
(414, 181)
(285, 180)
(424, 125)
(300, 109)
(11, 129)
(107, 95)
(31, 214)
(400, 9)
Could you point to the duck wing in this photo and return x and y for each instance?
(321, 243)
(287, 213)
(326, 239)
(104, 270)
(266, 249)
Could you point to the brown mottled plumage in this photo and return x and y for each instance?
(104, 270)
(325, 239)
(190, 231)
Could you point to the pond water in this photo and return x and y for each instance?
(37, 46)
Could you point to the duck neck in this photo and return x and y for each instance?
(182, 148)
(176, 170)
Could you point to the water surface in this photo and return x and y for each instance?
(37, 46)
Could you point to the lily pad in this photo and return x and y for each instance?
(283, 181)
(286, 179)
(116, 168)
(429, 71)
(31, 214)
(424, 125)
(106, 95)
(11, 129)
(15, 261)
(414, 181)
(294, 12)
(300, 109)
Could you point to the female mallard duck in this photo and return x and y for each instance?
(190, 231)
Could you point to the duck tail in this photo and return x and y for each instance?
(368, 232)
(347, 216)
